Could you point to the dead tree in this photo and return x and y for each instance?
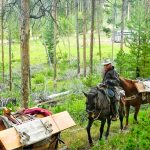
(77, 37)
(122, 23)
(113, 30)
(92, 35)
(55, 39)
(2, 38)
(99, 25)
(84, 35)
(10, 68)
(24, 44)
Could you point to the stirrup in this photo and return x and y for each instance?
(114, 118)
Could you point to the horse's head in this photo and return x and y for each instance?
(91, 101)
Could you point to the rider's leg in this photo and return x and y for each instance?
(114, 109)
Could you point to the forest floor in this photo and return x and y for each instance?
(76, 137)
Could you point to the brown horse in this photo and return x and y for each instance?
(133, 98)
(48, 144)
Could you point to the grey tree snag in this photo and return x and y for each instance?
(10, 68)
(24, 46)
(67, 8)
(84, 36)
(2, 38)
(113, 30)
(122, 23)
(55, 40)
(92, 35)
(99, 25)
(77, 37)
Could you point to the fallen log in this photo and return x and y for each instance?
(52, 98)
(58, 94)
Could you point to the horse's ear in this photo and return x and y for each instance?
(85, 94)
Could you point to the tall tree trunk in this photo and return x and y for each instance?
(122, 24)
(113, 32)
(122, 30)
(84, 35)
(99, 25)
(48, 56)
(30, 85)
(92, 35)
(10, 69)
(139, 38)
(55, 42)
(67, 8)
(2, 38)
(129, 7)
(69, 50)
(77, 38)
(24, 41)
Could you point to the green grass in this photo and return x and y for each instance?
(37, 53)
(42, 84)
(42, 73)
(137, 137)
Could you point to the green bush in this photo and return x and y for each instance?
(91, 80)
(39, 78)
(65, 26)
(74, 104)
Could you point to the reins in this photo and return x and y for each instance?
(100, 109)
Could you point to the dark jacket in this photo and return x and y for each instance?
(111, 77)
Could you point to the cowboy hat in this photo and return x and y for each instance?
(106, 62)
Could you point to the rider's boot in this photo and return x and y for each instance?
(114, 111)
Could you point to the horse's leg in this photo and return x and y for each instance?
(108, 127)
(127, 115)
(137, 108)
(121, 114)
(102, 128)
(88, 128)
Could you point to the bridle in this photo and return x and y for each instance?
(95, 108)
(100, 111)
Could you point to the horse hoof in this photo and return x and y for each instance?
(121, 131)
(125, 128)
(91, 145)
(135, 122)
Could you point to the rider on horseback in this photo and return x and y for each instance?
(111, 79)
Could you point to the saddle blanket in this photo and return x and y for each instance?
(143, 86)
(147, 85)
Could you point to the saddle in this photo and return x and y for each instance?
(30, 129)
(115, 92)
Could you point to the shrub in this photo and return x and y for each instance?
(39, 78)
(91, 80)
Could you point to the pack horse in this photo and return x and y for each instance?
(136, 94)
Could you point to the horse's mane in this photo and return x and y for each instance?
(103, 102)
(127, 84)
(93, 91)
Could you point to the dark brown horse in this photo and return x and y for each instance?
(133, 98)
(98, 108)
(48, 144)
